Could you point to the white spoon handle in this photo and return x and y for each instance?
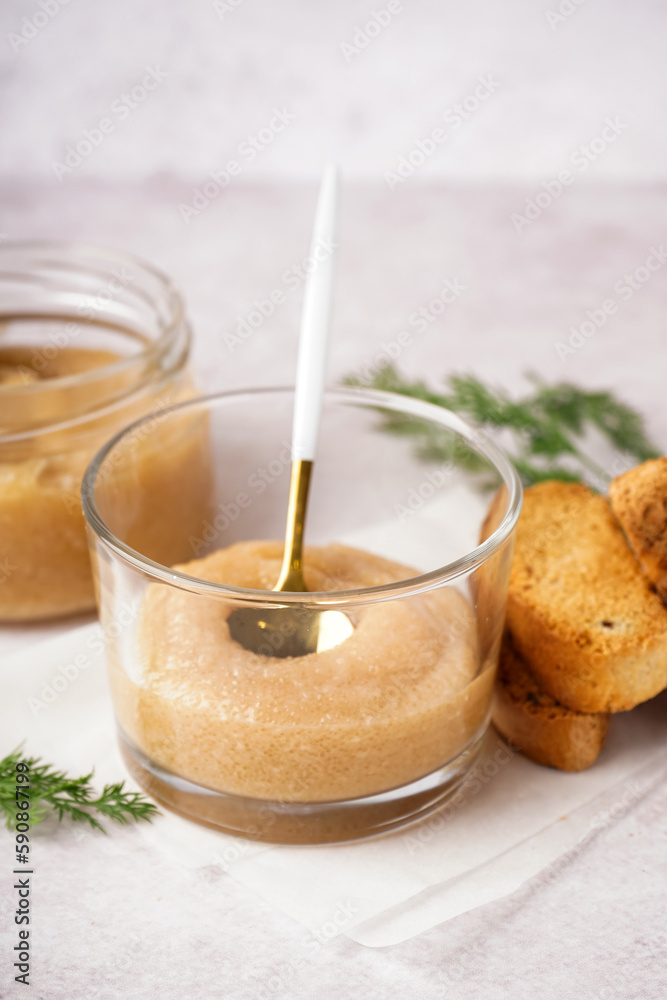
(315, 323)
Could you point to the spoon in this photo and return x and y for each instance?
(294, 630)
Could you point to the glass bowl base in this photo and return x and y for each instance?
(301, 822)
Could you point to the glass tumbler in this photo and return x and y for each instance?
(409, 533)
(90, 339)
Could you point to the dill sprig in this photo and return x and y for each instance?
(546, 427)
(52, 790)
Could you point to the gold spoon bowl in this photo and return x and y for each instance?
(288, 629)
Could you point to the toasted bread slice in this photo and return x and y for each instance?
(541, 727)
(639, 500)
(579, 607)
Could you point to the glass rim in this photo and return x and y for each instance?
(150, 353)
(323, 599)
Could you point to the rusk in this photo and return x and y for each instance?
(639, 500)
(580, 609)
(546, 731)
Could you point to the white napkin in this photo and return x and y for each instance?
(514, 821)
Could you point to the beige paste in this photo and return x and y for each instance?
(397, 700)
(44, 563)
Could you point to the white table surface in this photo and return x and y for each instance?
(113, 920)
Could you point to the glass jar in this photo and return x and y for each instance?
(90, 339)
(332, 745)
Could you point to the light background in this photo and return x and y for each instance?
(227, 70)
(200, 935)
(558, 78)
